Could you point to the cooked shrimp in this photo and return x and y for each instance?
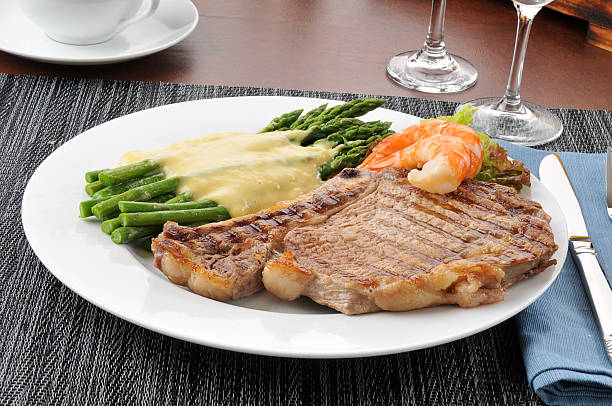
(404, 138)
(439, 162)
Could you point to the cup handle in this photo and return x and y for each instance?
(139, 17)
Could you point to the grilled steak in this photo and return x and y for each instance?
(368, 241)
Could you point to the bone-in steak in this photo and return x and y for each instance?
(368, 241)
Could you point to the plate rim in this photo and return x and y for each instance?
(348, 353)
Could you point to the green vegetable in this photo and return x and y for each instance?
(370, 142)
(86, 206)
(137, 207)
(359, 107)
(93, 187)
(211, 214)
(108, 226)
(283, 122)
(354, 108)
(496, 166)
(92, 176)
(337, 124)
(333, 126)
(359, 133)
(180, 198)
(308, 116)
(123, 235)
(349, 159)
(162, 198)
(118, 175)
(110, 206)
(353, 144)
(125, 186)
(465, 116)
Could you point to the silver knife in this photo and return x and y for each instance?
(609, 181)
(553, 175)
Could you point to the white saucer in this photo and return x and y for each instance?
(171, 23)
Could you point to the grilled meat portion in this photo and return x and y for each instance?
(401, 248)
(224, 261)
(368, 241)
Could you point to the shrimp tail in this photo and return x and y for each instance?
(442, 174)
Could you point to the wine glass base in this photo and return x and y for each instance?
(410, 71)
(531, 125)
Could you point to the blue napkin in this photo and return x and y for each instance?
(562, 347)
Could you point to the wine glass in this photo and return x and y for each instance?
(509, 118)
(432, 69)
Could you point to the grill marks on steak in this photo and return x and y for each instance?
(401, 248)
(366, 241)
(224, 261)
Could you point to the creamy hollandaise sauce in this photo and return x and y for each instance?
(243, 172)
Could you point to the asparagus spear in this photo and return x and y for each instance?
(86, 206)
(180, 198)
(283, 122)
(137, 207)
(109, 207)
(125, 186)
(387, 133)
(353, 108)
(342, 149)
(310, 115)
(118, 175)
(359, 108)
(351, 154)
(123, 235)
(93, 187)
(351, 159)
(92, 176)
(162, 198)
(322, 117)
(108, 226)
(323, 130)
(359, 133)
(210, 214)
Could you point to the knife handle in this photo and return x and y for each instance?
(596, 285)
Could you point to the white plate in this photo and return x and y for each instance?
(124, 282)
(170, 24)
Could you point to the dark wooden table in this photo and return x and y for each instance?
(343, 45)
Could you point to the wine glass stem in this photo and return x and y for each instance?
(512, 97)
(434, 44)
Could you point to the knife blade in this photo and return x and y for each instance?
(554, 177)
(609, 182)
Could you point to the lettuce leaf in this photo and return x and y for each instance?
(464, 116)
(496, 166)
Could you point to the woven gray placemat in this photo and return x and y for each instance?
(56, 348)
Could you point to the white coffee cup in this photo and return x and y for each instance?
(86, 22)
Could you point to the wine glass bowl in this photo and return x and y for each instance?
(432, 69)
(509, 118)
